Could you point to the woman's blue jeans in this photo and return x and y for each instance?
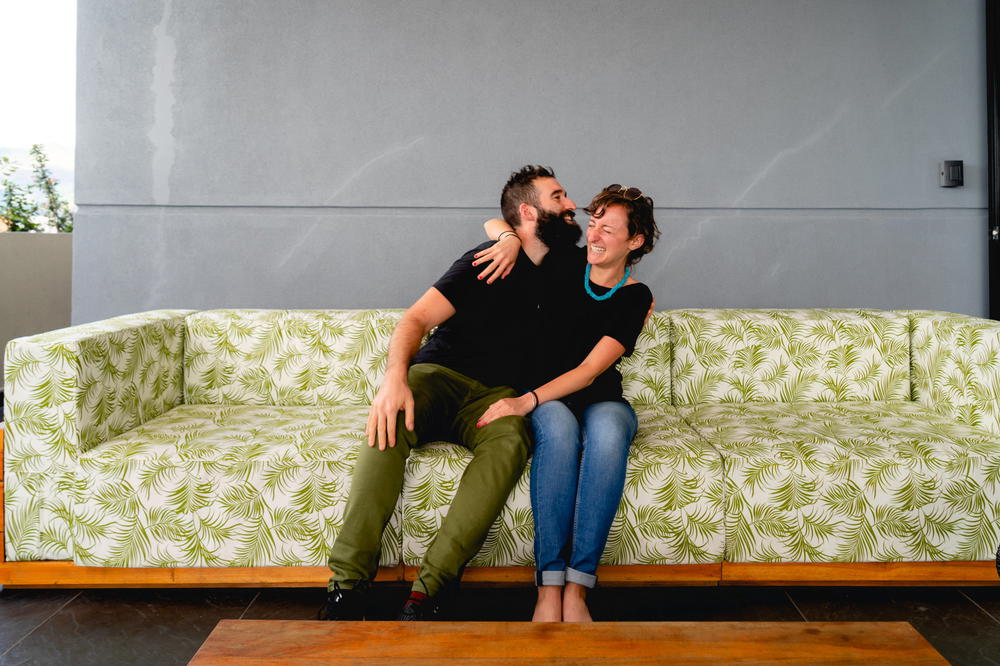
(577, 478)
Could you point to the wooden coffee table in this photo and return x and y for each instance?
(398, 643)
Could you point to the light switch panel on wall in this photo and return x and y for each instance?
(950, 173)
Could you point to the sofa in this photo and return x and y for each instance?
(177, 447)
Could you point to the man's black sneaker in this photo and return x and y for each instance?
(420, 607)
(344, 604)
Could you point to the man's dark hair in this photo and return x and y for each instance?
(520, 188)
(640, 219)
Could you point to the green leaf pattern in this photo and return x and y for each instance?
(646, 373)
(789, 356)
(223, 485)
(853, 481)
(66, 392)
(228, 437)
(286, 357)
(956, 367)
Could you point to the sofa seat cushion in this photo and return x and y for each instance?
(671, 511)
(222, 485)
(853, 482)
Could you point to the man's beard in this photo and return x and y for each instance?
(557, 230)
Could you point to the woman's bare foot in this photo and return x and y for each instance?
(548, 608)
(574, 604)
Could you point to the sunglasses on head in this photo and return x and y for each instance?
(629, 193)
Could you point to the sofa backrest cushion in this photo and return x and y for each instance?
(286, 357)
(789, 356)
(646, 373)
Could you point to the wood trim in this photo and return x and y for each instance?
(617, 576)
(860, 573)
(67, 574)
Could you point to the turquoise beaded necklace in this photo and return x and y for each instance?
(590, 292)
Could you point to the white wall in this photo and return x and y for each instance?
(340, 153)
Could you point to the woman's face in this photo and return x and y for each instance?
(608, 242)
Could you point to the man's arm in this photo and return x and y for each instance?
(394, 395)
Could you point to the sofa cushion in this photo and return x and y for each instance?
(789, 356)
(862, 481)
(222, 485)
(286, 357)
(671, 511)
(646, 373)
(956, 366)
(66, 391)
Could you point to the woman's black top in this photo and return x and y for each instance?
(573, 323)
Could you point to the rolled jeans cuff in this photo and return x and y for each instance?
(580, 578)
(550, 578)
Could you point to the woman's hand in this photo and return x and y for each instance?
(507, 407)
(501, 256)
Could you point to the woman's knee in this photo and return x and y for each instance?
(609, 428)
(611, 418)
(554, 421)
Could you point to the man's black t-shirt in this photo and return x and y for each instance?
(573, 323)
(485, 337)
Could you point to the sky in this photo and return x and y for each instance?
(38, 52)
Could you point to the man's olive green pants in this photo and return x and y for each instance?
(447, 406)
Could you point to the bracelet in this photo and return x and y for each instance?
(535, 396)
(502, 233)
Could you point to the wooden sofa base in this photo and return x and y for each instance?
(67, 574)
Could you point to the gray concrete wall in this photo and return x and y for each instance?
(340, 153)
(35, 273)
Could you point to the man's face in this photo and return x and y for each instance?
(555, 226)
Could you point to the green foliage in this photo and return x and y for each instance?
(22, 206)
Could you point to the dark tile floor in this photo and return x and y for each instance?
(149, 627)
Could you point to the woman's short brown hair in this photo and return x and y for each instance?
(640, 216)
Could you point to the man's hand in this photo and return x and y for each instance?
(392, 398)
(394, 395)
(502, 255)
(507, 407)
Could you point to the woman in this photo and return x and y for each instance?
(583, 426)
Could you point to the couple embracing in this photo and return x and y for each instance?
(542, 343)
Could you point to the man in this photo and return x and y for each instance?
(440, 391)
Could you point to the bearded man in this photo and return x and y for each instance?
(438, 392)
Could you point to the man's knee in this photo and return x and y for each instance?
(507, 438)
(423, 379)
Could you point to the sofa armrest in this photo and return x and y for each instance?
(95, 381)
(65, 392)
(955, 366)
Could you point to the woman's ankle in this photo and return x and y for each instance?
(574, 604)
(548, 607)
